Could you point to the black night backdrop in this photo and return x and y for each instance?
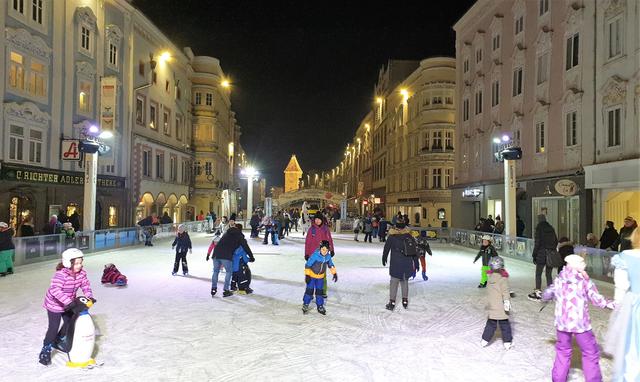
(303, 72)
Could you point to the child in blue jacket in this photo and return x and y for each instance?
(241, 272)
(182, 244)
(314, 271)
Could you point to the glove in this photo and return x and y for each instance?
(333, 253)
(507, 305)
(252, 259)
(307, 279)
(335, 277)
(93, 300)
(384, 263)
(207, 257)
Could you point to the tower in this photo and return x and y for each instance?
(292, 173)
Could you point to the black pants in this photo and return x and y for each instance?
(54, 325)
(267, 232)
(287, 229)
(368, 235)
(180, 257)
(242, 278)
(490, 330)
(547, 272)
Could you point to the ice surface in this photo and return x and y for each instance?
(168, 328)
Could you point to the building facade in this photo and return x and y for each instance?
(528, 70)
(401, 158)
(64, 71)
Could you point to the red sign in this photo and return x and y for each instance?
(70, 149)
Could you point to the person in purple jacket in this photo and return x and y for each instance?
(573, 290)
(59, 300)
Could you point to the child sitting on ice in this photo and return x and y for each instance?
(112, 275)
(573, 290)
(487, 251)
(59, 300)
(314, 271)
(498, 303)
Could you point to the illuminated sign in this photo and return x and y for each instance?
(36, 175)
(471, 193)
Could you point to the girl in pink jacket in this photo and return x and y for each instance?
(573, 290)
(59, 300)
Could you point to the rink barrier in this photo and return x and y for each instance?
(521, 248)
(34, 249)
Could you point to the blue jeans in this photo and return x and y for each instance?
(228, 267)
(316, 284)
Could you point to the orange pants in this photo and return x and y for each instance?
(423, 263)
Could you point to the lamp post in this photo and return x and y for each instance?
(251, 174)
(508, 153)
(90, 146)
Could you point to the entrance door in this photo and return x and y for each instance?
(563, 213)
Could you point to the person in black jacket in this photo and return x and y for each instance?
(182, 244)
(486, 252)
(223, 256)
(7, 249)
(565, 248)
(148, 225)
(519, 226)
(609, 236)
(401, 267)
(623, 242)
(545, 240)
(166, 219)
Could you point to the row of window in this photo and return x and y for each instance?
(432, 178)
(25, 144)
(434, 140)
(27, 75)
(380, 169)
(154, 116)
(159, 174)
(208, 99)
(29, 11)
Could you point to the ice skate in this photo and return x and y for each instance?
(536, 295)
(45, 355)
(507, 345)
(247, 291)
(185, 273)
(322, 310)
(173, 273)
(213, 291)
(9, 271)
(482, 285)
(424, 276)
(405, 303)
(484, 343)
(305, 308)
(391, 305)
(227, 293)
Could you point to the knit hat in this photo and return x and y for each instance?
(325, 243)
(232, 217)
(4, 225)
(487, 238)
(69, 255)
(181, 228)
(575, 262)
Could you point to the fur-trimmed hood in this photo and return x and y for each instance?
(396, 231)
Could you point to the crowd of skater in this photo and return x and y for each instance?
(405, 252)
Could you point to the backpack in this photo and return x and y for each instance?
(410, 246)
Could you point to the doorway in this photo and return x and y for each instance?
(563, 213)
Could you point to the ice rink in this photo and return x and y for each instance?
(168, 328)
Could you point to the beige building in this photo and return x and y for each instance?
(214, 138)
(524, 70)
(292, 175)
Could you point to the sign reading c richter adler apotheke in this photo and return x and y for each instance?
(33, 175)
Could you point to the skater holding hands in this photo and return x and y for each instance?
(59, 300)
(573, 290)
(315, 270)
(498, 303)
(182, 244)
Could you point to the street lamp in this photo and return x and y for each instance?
(251, 174)
(508, 152)
(90, 146)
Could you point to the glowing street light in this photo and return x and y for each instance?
(404, 93)
(165, 56)
(379, 100)
(508, 153)
(225, 84)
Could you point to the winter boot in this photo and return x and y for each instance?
(484, 343)
(247, 290)
(405, 303)
(227, 293)
(213, 291)
(424, 276)
(61, 344)
(2, 274)
(185, 273)
(322, 310)
(507, 345)
(10, 271)
(305, 308)
(173, 273)
(536, 295)
(391, 305)
(45, 355)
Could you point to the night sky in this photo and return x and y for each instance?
(303, 72)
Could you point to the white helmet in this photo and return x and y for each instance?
(487, 238)
(70, 254)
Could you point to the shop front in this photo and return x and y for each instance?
(30, 195)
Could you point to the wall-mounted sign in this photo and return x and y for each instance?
(37, 175)
(471, 193)
(70, 150)
(377, 200)
(566, 187)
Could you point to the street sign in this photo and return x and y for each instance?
(70, 150)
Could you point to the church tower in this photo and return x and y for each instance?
(292, 173)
